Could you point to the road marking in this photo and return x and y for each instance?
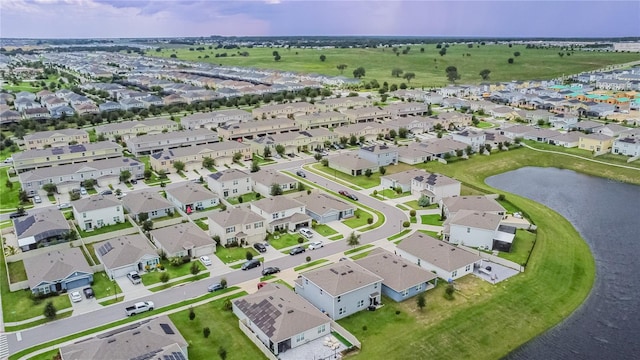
(4, 347)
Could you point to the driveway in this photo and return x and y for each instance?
(131, 291)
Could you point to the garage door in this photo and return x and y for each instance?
(78, 283)
(117, 273)
(330, 217)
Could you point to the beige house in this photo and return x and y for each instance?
(215, 119)
(149, 202)
(188, 196)
(453, 118)
(229, 183)
(237, 226)
(294, 142)
(343, 103)
(283, 110)
(351, 164)
(192, 156)
(265, 178)
(255, 129)
(368, 114)
(451, 205)
(597, 143)
(369, 130)
(128, 129)
(329, 119)
(70, 154)
(405, 109)
(182, 240)
(281, 213)
(148, 144)
(55, 138)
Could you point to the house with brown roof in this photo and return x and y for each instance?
(149, 202)
(123, 254)
(280, 318)
(447, 261)
(401, 279)
(63, 155)
(237, 226)
(283, 110)
(57, 271)
(189, 196)
(340, 289)
(128, 129)
(325, 208)
(157, 338)
(183, 240)
(96, 211)
(192, 156)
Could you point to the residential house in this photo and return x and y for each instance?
(478, 229)
(290, 110)
(97, 211)
(189, 196)
(124, 254)
(229, 183)
(215, 119)
(370, 131)
(70, 176)
(434, 186)
(294, 142)
(40, 228)
(401, 179)
(129, 129)
(64, 155)
(413, 155)
(447, 261)
(596, 143)
(588, 126)
(149, 144)
(9, 117)
(351, 164)
(438, 148)
(494, 139)
(415, 124)
(472, 138)
(280, 318)
(381, 155)
(55, 138)
(192, 156)
(38, 113)
(109, 106)
(264, 180)
(131, 103)
(541, 135)
(564, 121)
(343, 103)
(401, 279)
(158, 336)
(282, 213)
(57, 271)
(237, 226)
(536, 115)
(325, 208)
(328, 119)
(612, 130)
(183, 240)
(405, 109)
(368, 114)
(568, 140)
(516, 131)
(600, 110)
(451, 205)
(149, 202)
(627, 145)
(340, 289)
(256, 129)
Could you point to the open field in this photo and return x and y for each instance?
(428, 66)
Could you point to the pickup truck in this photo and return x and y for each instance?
(139, 307)
(134, 277)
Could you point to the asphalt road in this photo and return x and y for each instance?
(74, 324)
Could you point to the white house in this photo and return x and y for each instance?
(340, 289)
(97, 211)
(189, 197)
(124, 254)
(434, 186)
(282, 212)
(475, 139)
(381, 155)
(478, 229)
(183, 240)
(149, 202)
(453, 204)
(263, 180)
(448, 261)
(402, 179)
(629, 146)
(230, 183)
(237, 226)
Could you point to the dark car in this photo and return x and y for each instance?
(215, 287)
(270, 270)
(106, 192)
(291, 155)
(301, 173)
(133, 181)
(260, 247)
(250, 264)
(352, 197)
(296, 250)
(343, 193)
(88, 293)
(17, 214)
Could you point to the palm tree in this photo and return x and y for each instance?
(353, 239)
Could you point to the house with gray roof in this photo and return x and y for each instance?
(434, 186)
(264, 179)
(401, 279)
(146, 201)
(281, 213)
(157, 338)
(192, 156)
(471, 137)
(127, 129)
(381, 155)
(568, 140)
(447, 261)
(97, 211)
(280, 318)
(627, 145)
(69, 154)
(9, 116)
(40, 228)
(588, 126)
(152, 143)
(401, 179)
(440, 147)
(183, 240)
(453, 204)
(230, 183)
(541, 135)
(340, 289)
(214, 119)
(479, 230)
(55, 138)
(57, 271)
(189, 196)
(237, 226)
(123, 254)
(325, 208)
(352, 164)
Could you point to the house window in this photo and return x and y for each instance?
(257, 225)
(116, 219)
(419, 287)
(467, 268)
(375, 286)
(322, 328)
(231, 240)
(235, 191)
(321, 292)
(100, 223)
(454, 273)
(342, 311)
(405, 293)
(248, 227)
(235, 182)
(230, 229)
(468, 230)
(360, 303)
(339, 298)
(84, 215)
(300, 337)
(275, 215)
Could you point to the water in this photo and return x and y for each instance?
(607, 215)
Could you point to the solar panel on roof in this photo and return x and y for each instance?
(167, 329)
(22, 226)
(105, 248)
(77, 148)
(57, 151)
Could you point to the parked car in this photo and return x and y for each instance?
(8, 160)
(206, 261)
(250, 264)
(106, 192)
(343, 193)
(215, 287)
(134, 277)
(260, 247)
(88, 293)
(83, 191)
(291, 155)
(75, 296)
(64, 206)
(37, 199)
(133, 181)
(315, 245)
(17, 214)
(270, 270)
(306, 232)
(139, 307)
(352, 197)
(301, 173)
(296, 250)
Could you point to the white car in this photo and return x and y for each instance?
(205, 260)
(64, 206)
(306, 232)
(75, 296)
(315, 245)
(83, 191)
(37, 199)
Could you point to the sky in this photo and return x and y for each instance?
(177, 18)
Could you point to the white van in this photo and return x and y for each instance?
(306, 232)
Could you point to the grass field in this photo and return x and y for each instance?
(428, 66)
(9, 195)
(232, 254)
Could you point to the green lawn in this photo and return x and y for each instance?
(611, 158)
(507, 205)
(360, 181)
(310, 264)
(360, 255)
(521, 248)
(233, 254)
(391, 194)
(324, 230)
(245, 198)
(103, 286)
(359, 248)
(359, 219)
(281, 241)
(92, 253)
(433, 234)
(413, 204)
(399, 235)
(200, 276)
(106, 229)
(431, 219)
(8, 195)
(17, 272)
(153, 277)
(202, 223)
(484, 125)
(428, 66)
(280, 281)
(337, 237)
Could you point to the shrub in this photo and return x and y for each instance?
(397, 312)
(226, 305)
(164, 277)
(412, 213)
(195, 269)
(449, 291)
(223, 282)
(406, 224)
(192, 314)
(206, 331)
(50, 311)
(370, 221)
(308, 258)
(364, 327)
(300, 239)
(249, 255)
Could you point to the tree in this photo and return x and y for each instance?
(449, 291)
(317, 156)
(359, 72)
(443, 51)
(485, 74)
(510, 60)
(393, 133)
(206, 332)
(487, 147)
(396, 72)
(147, 225)
(382, 170)
(23, 196)
(50, 188)
(50, 310)
(353, 239)
(341, 67)
(368, 173)
(208, 162)
(452, 73)
(249, 255)
(423, 201)
(409, 76)
(275, 190)
(178, 165)
(421, 301)
(194, 269)
(254, 166)
(277, 57)
(237, 156)
(266, 153)
(468, 150)
(516, 54)
(323, 58)
(280, 149)
(125, 175)
(222, 352)
(164, 277)
(561, 54)
(402, 132)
